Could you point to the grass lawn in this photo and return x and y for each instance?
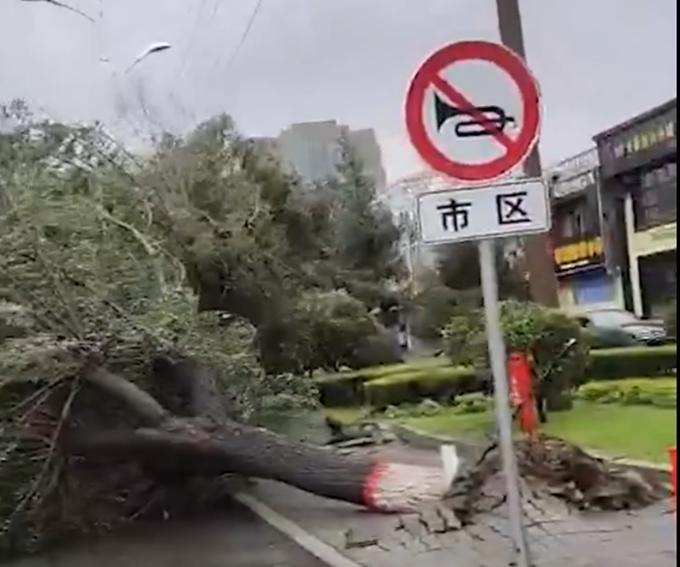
(636, 432)
(347, 415)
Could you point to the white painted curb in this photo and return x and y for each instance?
(313, 545)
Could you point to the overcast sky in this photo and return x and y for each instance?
(598, 62)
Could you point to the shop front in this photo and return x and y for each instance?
(639, 196)
(578, 244)
(656, 253)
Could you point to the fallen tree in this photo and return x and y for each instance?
(205, 442)
(100, 424)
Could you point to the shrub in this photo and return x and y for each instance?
(465, 340)
(332, 329)
(634, 391)
(619, 363)
(347, 388)
(380, 348)
(472, 403)
(433, 307)
(531, 328)
(442, 384)
(341, 390)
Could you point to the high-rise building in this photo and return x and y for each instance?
(313, 150)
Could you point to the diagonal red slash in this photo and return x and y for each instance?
(462, 102)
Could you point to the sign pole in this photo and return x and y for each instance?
(498, 358)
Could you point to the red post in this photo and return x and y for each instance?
(674, 466)
(521, 387)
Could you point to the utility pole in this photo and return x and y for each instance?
(537, 251)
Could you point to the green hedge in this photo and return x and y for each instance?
(347, 388)
(435, 378)
(659, 392)
(342, 390)
(619, 363)
(442, 383)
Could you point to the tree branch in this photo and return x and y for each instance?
(136, 399)
(196, 384)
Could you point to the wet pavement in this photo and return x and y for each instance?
(557, 536)
(235, 538)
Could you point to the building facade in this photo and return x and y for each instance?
(313, 150)
(638, 165)
(585, 280)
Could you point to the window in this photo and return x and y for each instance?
(572, 225)
(656, 199)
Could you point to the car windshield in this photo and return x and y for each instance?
(613, 318)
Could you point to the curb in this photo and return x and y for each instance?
(419, 439)
(310, 543)
(422, 440)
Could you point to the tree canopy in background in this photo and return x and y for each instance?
(453, 287)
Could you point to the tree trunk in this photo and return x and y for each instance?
(204, 442)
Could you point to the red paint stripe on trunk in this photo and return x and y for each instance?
(371, 484)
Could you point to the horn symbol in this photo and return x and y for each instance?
(495, 119)
(443, 111)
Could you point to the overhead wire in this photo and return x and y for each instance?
(192, 38)
(242, 41)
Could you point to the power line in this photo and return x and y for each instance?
(192, 38)
(68, 7)
(244, 37)
(216, 8)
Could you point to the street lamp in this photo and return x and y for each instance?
(152, 48)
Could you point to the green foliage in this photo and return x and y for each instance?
(435, 304)
(618, 363)
(347, 388)
(455, 289)
(475, 402)
(331, 329)
(529, 328)
(661, 392)
(443, 384)
(366, 235)
(379, 348)
(465, 339)
(341, 391)
(458, 268)
(613, 429)
(259, 244)
(97, 251)
(109, 259)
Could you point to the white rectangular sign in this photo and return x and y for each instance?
(504, 209)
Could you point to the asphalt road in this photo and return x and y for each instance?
(235, 538)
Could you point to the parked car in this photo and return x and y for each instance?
(617, 327)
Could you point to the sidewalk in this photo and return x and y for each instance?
(557, 537)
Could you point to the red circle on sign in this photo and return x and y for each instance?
(428, 76)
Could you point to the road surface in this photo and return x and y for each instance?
(235, 538)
